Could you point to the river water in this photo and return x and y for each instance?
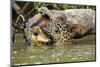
(83, 49)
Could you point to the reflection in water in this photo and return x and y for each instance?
(81, 50)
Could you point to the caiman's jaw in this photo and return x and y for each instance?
(40, 37)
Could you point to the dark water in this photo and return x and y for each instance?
(82, 50)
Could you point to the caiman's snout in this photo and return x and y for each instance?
(39, 37)
(43, 38)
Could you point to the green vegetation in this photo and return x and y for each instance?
(56, 6)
